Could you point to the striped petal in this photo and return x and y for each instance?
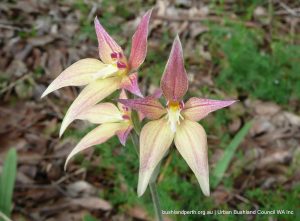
(107, 46)
(123, 134)
(130, 83)
(101, 113)
(155, 139)
(148, 106)
(97, 136)
(197, 108)
(78, 74)
(190, 141)
(89, 96)
(139, 42)
(174, 82)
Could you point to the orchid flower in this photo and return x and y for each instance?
(114, 121)
(176, 121)
(106, 76)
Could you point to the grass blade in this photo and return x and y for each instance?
(224, 162)
(7, 181)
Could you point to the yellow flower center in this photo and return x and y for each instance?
(173, 114)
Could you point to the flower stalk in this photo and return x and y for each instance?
(155, 201)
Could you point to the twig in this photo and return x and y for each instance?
(288, 9)
(13, 28)
(15, 83)
(77, 172)
(92, 12)
(27, 214)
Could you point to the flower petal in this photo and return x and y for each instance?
(123, 134)
(97, 136)
(148, 106)
(106, 44)
(197, 108)
(89, 96)
(101, 113)
(191, 142)
(157, 93)
(78, 74)
(174, 82)
(156, 138)
(139, 42)
(130, 83)
(108, 71)
(122, 95)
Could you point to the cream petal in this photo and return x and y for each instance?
(155, 139)
(89, 96)
(101, 113)
(191, 142)
(108, 71)
(97, 136)
(78, 74)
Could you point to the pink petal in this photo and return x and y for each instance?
(174, 82)
(122, 95)
(107, 46)
(149, 106)
(139, 42)
(130, 83)
(157, 93)
(197, 108)
(123, 134)
(191, 142)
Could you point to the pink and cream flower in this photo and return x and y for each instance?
(102, 77)
(175, 121)
(113, 120)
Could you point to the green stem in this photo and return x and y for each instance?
(155, 200)
(135, 141)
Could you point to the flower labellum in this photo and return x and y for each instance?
(113, 121)
(176, 121)
(102, 77)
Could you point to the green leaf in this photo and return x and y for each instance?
(89, 218)
(7, 181)
(224, 162)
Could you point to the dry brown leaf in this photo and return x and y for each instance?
(92, 203)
